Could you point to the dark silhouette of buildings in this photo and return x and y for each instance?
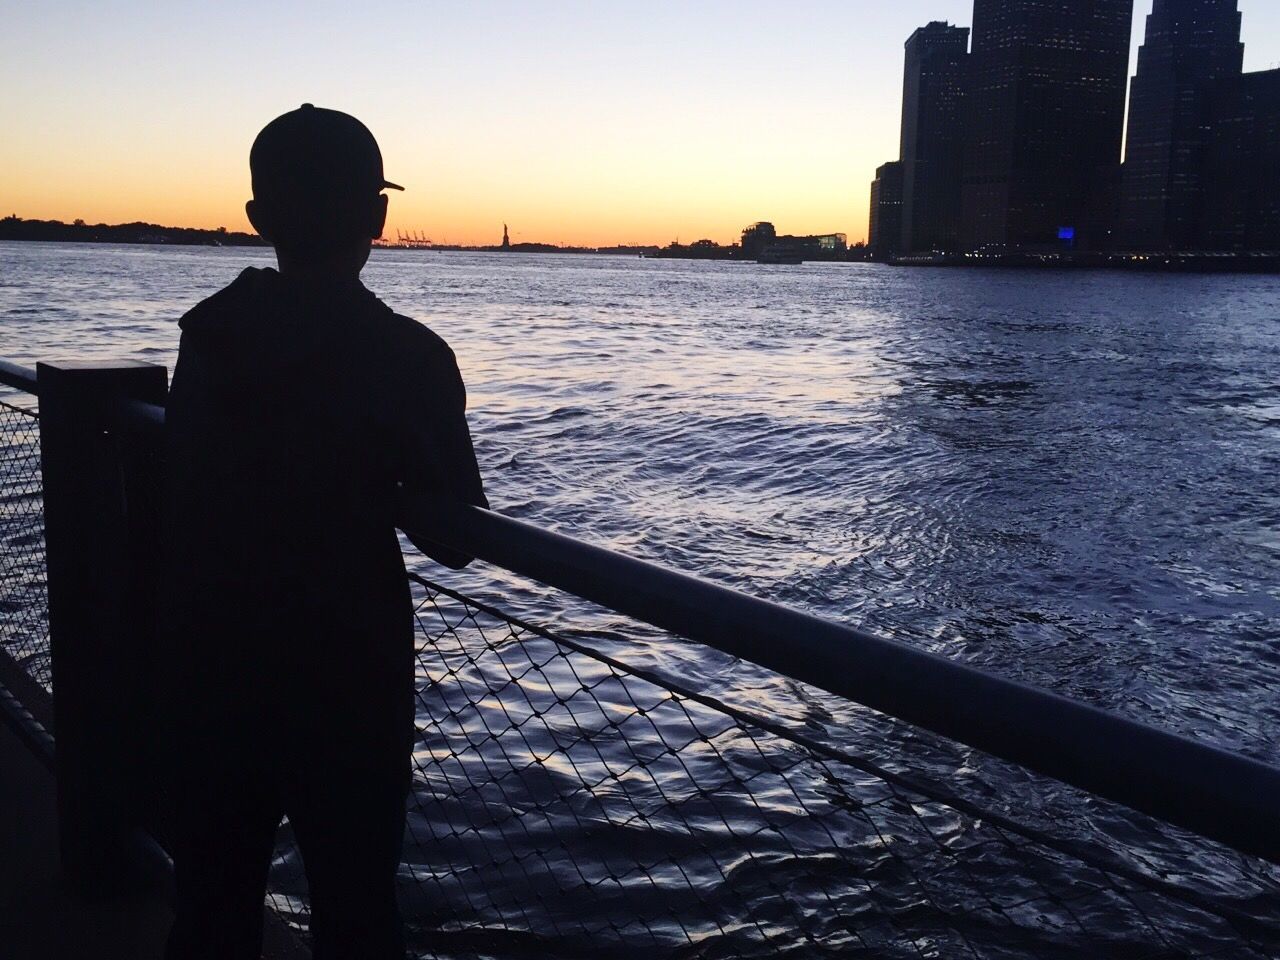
(1013, 147)
(698, 250)
(829, 244)
(886, 212)
(932, 142)
(1242, 170)
(762, 243)
(1044, 116)
(1191, 47)
(1202, 170)
(757, 238)
(792, 248)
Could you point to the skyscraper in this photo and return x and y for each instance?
(932, 136)
(1191, 48)
(1044, 116)
(885, 238)
(1242, 173)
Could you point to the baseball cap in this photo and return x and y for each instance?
(316, 152)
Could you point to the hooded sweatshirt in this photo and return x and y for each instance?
(294, 417)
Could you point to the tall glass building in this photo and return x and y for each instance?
(1242, 174)
(1044, 117)
(933, 136)
(1191, 48)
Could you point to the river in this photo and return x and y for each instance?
(1067, 477)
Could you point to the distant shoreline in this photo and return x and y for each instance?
(13, 228)
(55, 231)
(16, 228)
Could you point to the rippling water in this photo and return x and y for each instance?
(1071, 478)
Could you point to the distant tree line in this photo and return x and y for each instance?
(14, 227)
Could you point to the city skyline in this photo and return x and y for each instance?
(1022, 134)
(573, 125)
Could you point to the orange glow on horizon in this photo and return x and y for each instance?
(576, 122)
(565, 209)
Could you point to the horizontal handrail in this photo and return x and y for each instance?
(1221, 795)
(18, 377)
(1218, 794)
(138, 416)
(135, 416)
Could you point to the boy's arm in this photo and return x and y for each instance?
(441, 457)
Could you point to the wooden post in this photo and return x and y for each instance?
(100, 538)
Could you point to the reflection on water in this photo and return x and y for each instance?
(1069, 478)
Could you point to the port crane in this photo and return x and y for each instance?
(414, 238)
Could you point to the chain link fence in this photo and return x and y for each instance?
(568, 805)
(24, 600)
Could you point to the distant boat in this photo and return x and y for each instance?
(781, 256)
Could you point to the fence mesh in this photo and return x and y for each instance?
(567, 805)
(24, 602)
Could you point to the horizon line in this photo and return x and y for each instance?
(80, 222)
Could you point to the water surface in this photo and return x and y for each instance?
(1071, 478)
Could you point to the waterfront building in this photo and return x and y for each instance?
(757, 238)
(932, 148)
(816, 246)
(833, 244)
(1191, 47)
(886, 211)
(1044, 115)
(1242, 172)
(763, 240)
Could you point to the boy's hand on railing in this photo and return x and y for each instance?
(419, 515)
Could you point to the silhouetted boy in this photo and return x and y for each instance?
(300, 406)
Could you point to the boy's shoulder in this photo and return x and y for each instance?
(258, 305)
(407, 333)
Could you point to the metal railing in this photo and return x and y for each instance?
(1218, 794)
(566, 803)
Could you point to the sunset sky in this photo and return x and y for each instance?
(574, 122)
